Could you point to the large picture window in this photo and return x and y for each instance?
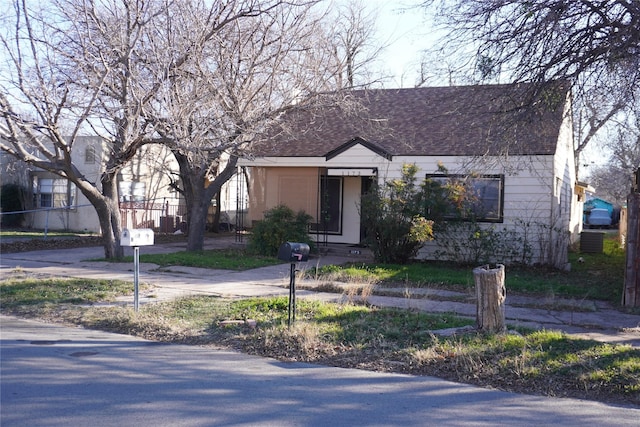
(54, 192)
(478, 197)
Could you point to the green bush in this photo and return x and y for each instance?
(279, 225)
(391, 214)
(467, 242)
(12, 198)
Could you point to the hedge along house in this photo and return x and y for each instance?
(514, 150)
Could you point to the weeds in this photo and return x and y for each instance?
(349, 335)
(599, 277)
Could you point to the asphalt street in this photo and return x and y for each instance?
(60, 376)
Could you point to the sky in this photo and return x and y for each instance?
(408, 34)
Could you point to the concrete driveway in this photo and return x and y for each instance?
(59, 376)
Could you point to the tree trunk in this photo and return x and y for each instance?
(215, 226)
(109, 217)
(197, 223)
(200, 198)
(631, 294)
(108, 210)
(491, 294)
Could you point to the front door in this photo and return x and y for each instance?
(330, 220)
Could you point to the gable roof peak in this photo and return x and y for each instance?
(358, 141)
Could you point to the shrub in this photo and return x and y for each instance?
(467, 242)
(12, 197)
(279, 225)
(391, 215)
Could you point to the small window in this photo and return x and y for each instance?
(132, 191)
(90, 155)
(472, 197)
(54, 192)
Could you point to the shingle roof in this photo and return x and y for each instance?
(456, 120)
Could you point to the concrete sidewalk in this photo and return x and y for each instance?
(598, 320)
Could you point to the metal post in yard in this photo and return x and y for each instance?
(46, 224)
(136, 274)
(292, 295)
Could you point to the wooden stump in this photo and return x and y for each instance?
(631, 292)
(491, 294)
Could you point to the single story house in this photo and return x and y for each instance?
(516, 150)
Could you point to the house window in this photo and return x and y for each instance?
(330, 215)
(54, 192)
(90, 155)
(132, 191)
(479, 197)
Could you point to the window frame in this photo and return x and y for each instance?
(471, 178)
(339, 197)
(90, 155)
(64, 197)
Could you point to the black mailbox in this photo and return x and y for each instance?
(293, 252)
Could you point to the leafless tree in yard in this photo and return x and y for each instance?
(234, 91)
(78, 67)
(62, 58)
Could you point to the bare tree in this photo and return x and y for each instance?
(351, 44)
(594, 44)
(613, 180)
(62, 59)
(232, 91)
(593, 110)
(90, 66)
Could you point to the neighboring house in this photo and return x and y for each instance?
(56, 203)
(520, 162)
(146, 189)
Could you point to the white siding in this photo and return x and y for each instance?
(566, 210)
(83, 217)
(539, 203)
(528, 188)
(151, 166)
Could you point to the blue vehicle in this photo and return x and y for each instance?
(599, 218)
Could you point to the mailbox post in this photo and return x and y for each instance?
(293, 253)
(136, 238)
